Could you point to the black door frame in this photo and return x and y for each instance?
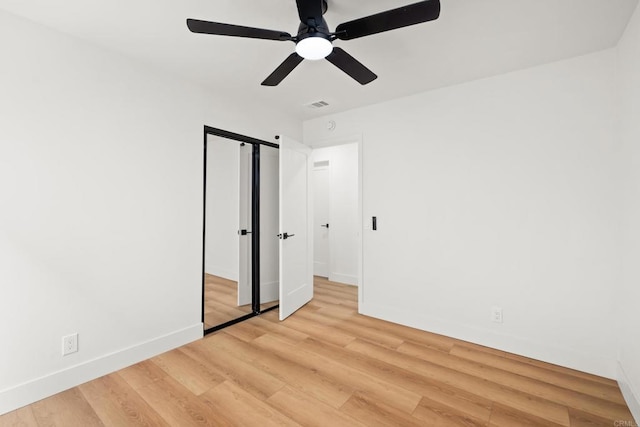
(255, 222)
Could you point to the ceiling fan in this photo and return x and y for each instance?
(314, 40)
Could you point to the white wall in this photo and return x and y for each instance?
(499, 192)
(628, 296)
(223, 207)
(343, 212)
(100, 207)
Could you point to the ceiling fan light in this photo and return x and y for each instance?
(314, 48)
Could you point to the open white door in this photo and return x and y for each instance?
(296, 227)
(244, 246)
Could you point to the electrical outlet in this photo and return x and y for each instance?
(496, 314)
(69, 344)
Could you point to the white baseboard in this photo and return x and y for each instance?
(56, 382)
(344, 278)
(556, 355)
(630, 394)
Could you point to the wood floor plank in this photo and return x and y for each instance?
(117, 404)
(353, 329)
(290, 335)
(225, 309)
(300, 375)
(338, 292)
(308, 411)
(324, 332)
(142, 374)
(242, 408)
(333, 371)
(245, 331)
(434, 413)
(339, 301)
(22, 417)
(178, 406)
(455, 406)
(68, 408)
(296, 376)
(374, 412)
(341, 291)
(192, 374)
(310, 306)
(324, 284)
(233, 346)
(337, 312)
(245, 374)
(503, 416)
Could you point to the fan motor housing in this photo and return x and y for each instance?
(305, 30)
(310, 32)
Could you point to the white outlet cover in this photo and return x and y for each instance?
(69, 344)
(496, 314)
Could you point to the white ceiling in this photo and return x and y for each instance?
(472, 39)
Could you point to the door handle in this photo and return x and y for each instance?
(243, 232)
(285, 236)
(324, 225)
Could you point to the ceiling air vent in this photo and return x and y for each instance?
(317, 104)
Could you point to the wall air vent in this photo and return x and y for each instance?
(316, 104)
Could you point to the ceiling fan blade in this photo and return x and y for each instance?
(390, 20)
(310, 9)
(351, 66)
(283, 70)
(217, 28)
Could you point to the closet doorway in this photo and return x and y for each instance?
(256, 229)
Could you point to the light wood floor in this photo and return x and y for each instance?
(221, 301)
(328, 366)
